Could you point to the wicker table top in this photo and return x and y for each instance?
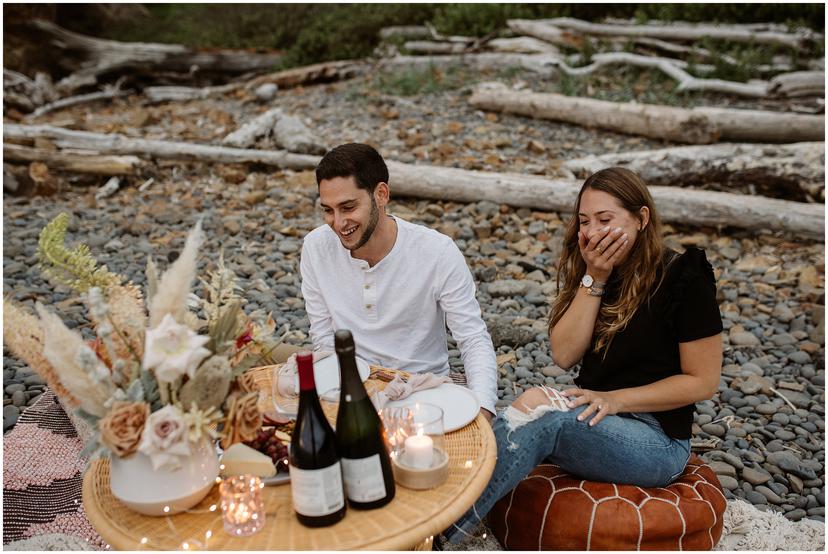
(412, 517)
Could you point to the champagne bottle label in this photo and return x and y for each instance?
(317, 492)
(363, 478)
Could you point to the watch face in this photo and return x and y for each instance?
(587, 281)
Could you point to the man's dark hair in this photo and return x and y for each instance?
(356, 160)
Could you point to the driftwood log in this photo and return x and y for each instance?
(543, 64)
(287, 131)
(791, 167)
(673, 68)
(108, 94)
(798, 83)
(317, 73)
(159, 149)
(686, 206)
(694, 126)
(108, 56)
(179, 94)
(79, 163)
(683, 32)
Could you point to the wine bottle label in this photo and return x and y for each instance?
(363, 478)
(317, 492)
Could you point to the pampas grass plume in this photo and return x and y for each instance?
(174, 286)
(61, 348)
(23, 336)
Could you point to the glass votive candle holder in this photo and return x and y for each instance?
(416, 444)
(242, 506)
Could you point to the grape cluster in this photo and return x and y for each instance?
(269, 444)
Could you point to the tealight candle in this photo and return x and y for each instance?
(419, 451)
(241, 505)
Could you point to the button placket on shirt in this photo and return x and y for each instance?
(369, 294)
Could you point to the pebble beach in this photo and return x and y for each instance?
(763, 432)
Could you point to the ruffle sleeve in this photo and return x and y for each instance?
(691, 308)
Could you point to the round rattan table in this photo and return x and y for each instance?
(411, 518)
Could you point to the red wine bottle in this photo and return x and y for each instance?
(360, 437)
(315, 469)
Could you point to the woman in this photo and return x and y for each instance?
(645, 325)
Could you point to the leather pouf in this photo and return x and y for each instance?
(552, 510)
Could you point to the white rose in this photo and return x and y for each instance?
(173, 350)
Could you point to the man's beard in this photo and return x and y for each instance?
(373, 220)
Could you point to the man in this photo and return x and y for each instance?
(394, 284)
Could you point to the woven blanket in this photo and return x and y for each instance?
(43, 476)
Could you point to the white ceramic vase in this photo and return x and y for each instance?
(164, 492)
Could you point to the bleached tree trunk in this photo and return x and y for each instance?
(674, 69)
(259, 126)
(316, 73)
(159, 149)
(78, 163)
(103, 55)
(681, 32)
(522, 45)
(79, 99)
(545, 32)
(543, 64)
(690, 207)
(433, 47)
(798, 83)
(288, 132)
(686, 206)
(409, 32)
(794, 166)
(180, 94)
(695, 126)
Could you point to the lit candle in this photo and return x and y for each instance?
(419, 450)
(241, 505)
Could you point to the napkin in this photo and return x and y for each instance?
(399, 389)
(287, 377)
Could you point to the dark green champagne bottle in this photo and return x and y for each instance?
(360, 437)
(315, 469)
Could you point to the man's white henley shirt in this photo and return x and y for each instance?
(398, 310)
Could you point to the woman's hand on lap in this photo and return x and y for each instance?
(601, 404)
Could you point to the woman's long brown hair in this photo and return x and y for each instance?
(637, 276)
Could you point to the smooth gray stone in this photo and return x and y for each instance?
(14, 387)
(703, 419)
(766, 409)
(723, 468)
(780, 418)
(796, 515)
(755, 476)
(714, 429)
(729, 483)
(818, 511)
(785, 435)
(10, 415)
(755, 498)
(19, 398)
(769, 494)
(799, 357)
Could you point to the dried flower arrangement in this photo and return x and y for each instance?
(156, 379)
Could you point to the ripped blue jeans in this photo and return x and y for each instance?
(628, 448)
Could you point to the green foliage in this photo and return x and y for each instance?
(75, 268)
(812, 15)
(422, 80)
(152, 395)
(310, 33)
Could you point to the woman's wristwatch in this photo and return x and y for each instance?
(593, 287)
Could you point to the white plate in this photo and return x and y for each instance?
(326, 375)
(460, 405)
